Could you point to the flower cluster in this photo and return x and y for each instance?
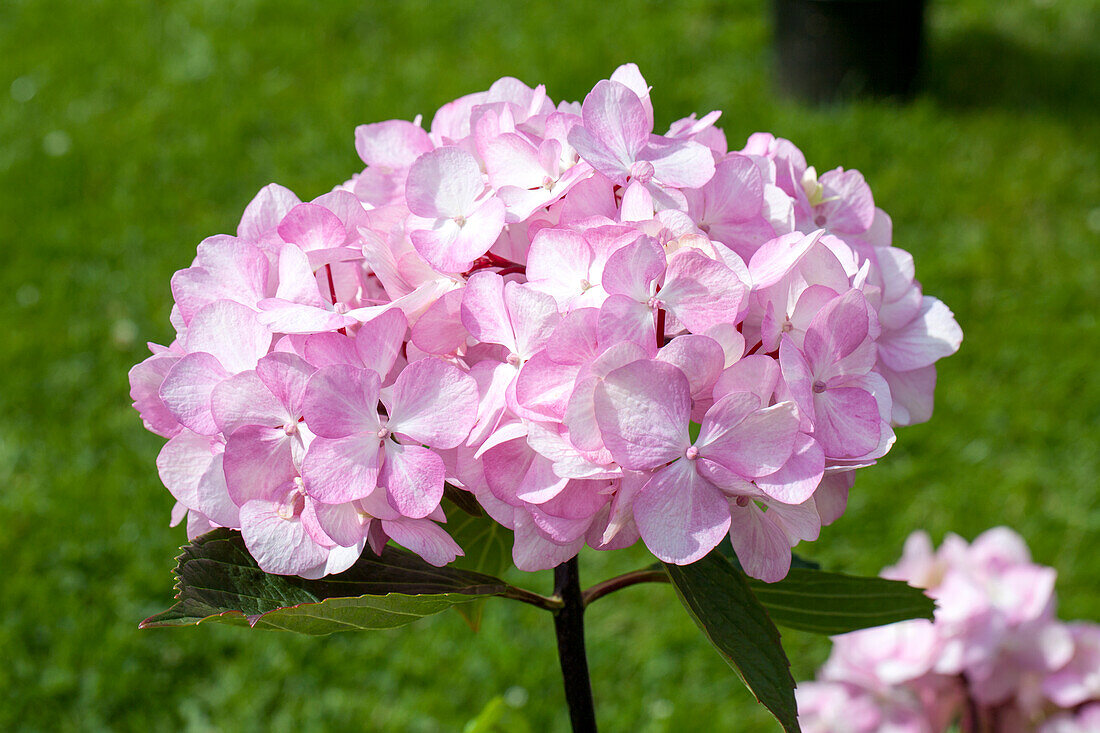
(995, 658)
(602, 333)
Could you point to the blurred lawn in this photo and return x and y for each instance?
(129, 131)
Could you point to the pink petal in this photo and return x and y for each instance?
(258, 460)
(775, 259)
(444, 183)
(425, 538)
(679, 163)
(701, 292)
(341, 470)
(342, 523)
(265, 211)
(286, 376)
(188, 388)
(225, 268)
(681, 516)
(279, 545)
(837, 330)
(231, 332)
(452, 245)
(643, 411)
(312, 227)
(750, 441)
(615, 128)
(434, 402)
(181, 464)
(145, 381)
(244, 399)
(393, 144)
(762, 547)
(632, 270)
(440, 329)
(413, 478)
(342, 400)
(846, 422)
(799, 477)
(531, 551)
(379, 341)
(932, 335)
(700, 359)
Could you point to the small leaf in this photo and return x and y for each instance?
(464, 500)
(217, 580)
(718, 598)
(832, 603)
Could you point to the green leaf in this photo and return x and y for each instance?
(488, 548)
(718, 598)
(833, 603)
(217, 580)
(810, 599)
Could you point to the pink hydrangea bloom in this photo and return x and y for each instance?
(603, 333)
(996, 655)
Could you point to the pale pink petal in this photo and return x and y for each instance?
(224, 268)
(679, 163)
(837, 330)
(681, 516)
(444, 184)
(643, 410)
(344, 524)
(623, 319)
(531, 551)
(775, 259)
(762, 546)
(434, 402)
(632, 270)
(341, 470)
(312, 227)
(452, 244)
(799, 477)
(846, 422)
(265, 211)
(145, 381)
(286, 375)
(440, 329)
(701, 292)
(484, 313)
(213, 496)
(379, 341)
(700, 358)
(187, 390)
(615, 128)
(932, 335)
(231, 332)
(750, 441)
(181, 464)
(342, 400)
(413, 478)
(279, 545)
(393, 144)
(424, 537)
(244, 399)
(258, 460)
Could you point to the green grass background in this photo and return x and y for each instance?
(129, 131)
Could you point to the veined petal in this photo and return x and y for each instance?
(342, 400)
(339, 470)
(643, 411)
(750, 441)
(413, 478)
(762, 546)
(434, 402)
(425, 538)
(680, 515)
